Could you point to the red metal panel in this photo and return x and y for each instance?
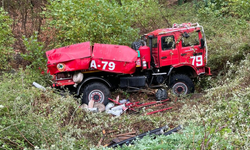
(71, 58)
(145, 53)
(63, 54)
(73, 65)
(169, 56)
(114, 58)
(114, 52)
(208, 71)
(113, 66)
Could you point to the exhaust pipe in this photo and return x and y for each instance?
(151, 49)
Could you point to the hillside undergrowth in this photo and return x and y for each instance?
(219, 119)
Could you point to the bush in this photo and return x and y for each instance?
(35, 52)
(34, 119)
(98, 21)
(35, 55)
(225, 8)
(6, 39)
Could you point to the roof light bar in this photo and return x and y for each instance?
(186, 25)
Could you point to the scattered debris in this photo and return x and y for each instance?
(102, 138)
(99, 106)
(93, 109)
(123, 101)
(91, 103)
(161, 94)
(39, 86)
(117, 110)
(150, 104)
(117, 99)
(109, 106)
(157, 131)
(149, 113)
(121, 137)
(125, 134)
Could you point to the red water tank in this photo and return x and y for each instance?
(145, 53)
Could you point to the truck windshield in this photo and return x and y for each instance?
(192, 40)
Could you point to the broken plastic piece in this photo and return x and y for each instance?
(120, 107)
(93, 109)
(84, 106)
(123, 101)
(117, 98)
(39, 86)
(91, 103)
(99, 106)
(108, 106)
(115, 112)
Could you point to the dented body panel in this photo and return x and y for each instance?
(114, 58)
(69, 58)
(82, 56)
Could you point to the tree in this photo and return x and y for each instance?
(6, 39)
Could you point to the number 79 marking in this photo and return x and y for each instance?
(197, 59)
(111, 65)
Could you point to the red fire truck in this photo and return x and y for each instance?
(170, 57)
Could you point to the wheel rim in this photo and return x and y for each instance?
(96, 95)
(180, 88)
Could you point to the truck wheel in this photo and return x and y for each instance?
(181, 84)
(96, 91)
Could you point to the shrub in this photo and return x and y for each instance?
(34, 119)
(6, 39)
(35, 55)
(221, 8)
(35, 52)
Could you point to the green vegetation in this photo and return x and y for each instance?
(219, 119)
(101, 21)
(46, 120)
(6, 39)
(35, 53)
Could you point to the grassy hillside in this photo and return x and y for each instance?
(215, 117)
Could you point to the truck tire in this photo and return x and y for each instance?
(181, 84)
(96, 91)
(137, 44)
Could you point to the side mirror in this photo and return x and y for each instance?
(202, 43)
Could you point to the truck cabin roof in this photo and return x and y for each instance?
(186, 27)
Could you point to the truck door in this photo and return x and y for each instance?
(190, 51)
(168, 52)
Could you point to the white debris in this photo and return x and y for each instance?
(39, 86)
(99, 106)
(91, 103)
(109, 106)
